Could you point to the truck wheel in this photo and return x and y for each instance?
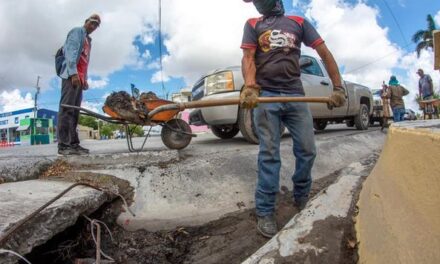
(225, 131)
(246, 125)
(349, 123)
(319, 124)
(362, 119)
(172, 138)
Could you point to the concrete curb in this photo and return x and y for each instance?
(399, 205)
(295, 242)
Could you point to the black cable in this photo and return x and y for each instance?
(395, 20)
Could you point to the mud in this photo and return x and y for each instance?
(230, 239)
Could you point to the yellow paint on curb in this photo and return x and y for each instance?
(399, 205)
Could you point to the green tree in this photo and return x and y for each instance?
(136, 130)
(106, 130)
(88, 121)
(423, 37)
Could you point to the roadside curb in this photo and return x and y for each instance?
(297, 241)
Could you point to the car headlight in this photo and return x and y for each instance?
(220, 82)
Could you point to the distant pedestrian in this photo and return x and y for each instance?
(76, 50)
(426, 89)
(395, 93)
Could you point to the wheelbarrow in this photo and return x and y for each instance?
(176, 133)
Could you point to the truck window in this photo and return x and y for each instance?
(312, 69)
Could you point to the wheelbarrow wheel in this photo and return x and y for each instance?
(171, 135)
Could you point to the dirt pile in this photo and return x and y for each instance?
(126, 107)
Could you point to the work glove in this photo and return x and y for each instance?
(337, 98)
(249, 96)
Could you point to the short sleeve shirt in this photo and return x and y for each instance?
(277, 41)
(425, 85)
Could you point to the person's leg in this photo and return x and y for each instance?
(66, 115)
(298, 120)
(402, 114)
(74, 139)
(267, 123)
(396, 115)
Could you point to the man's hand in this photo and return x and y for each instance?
(337, 99)
(249, 96)
(86, 86)
(76, 83)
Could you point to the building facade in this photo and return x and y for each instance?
(10, 122)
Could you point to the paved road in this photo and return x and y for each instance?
(206, 142)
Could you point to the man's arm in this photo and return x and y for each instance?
(330, 64)
(404, 91)
(248, 67)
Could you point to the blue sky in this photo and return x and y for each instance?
(370, 40)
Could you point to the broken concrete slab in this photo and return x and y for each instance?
(201, 186)
(20, 199)
(22, 168)
(301, 240)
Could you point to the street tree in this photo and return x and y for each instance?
(423, 37)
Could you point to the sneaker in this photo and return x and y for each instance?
(300, 203)
(81, 149)
(68, 151)
(267, 225)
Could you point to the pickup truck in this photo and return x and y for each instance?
(226, 121)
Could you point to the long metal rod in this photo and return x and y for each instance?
(234, 101)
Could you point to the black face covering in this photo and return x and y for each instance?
(269, 7)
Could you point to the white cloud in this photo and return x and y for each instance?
(97, 84)
(13, 100)
(95, 107)
(157, 77)
(360, 46)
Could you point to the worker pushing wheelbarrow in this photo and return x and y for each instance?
(149, 110)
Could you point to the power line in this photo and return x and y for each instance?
(395, 20)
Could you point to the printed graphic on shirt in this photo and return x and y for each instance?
(274, 39)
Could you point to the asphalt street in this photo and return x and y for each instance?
(205, 142)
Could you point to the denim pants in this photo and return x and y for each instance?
(398, 114)
(297, 118)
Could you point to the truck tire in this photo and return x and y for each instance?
(247, 127)
(319, 124)
(362, 119)
(225, 131)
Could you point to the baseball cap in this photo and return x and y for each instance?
(247, 1)
(95, 18)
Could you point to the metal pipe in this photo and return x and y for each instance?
(233, 101)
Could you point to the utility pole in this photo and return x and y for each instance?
(33, 133)
(36, 97)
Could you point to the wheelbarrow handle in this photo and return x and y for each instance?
(234, 101)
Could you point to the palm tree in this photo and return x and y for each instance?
(423, 38)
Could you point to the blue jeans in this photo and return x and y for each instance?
(398, 114)
(298, 120)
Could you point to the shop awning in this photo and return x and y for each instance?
(22, 128)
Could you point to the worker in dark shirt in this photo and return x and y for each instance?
(271, 50)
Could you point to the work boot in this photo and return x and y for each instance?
(81, 149)
(64, 151)
(267, 225)
(300, 203)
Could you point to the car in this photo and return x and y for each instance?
(226, 83)
(409, 115)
